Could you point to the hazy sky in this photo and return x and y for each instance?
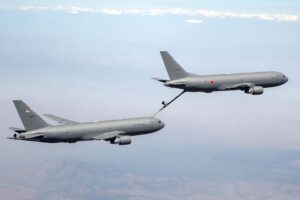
(93, 60)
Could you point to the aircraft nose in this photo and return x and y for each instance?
(162, 125)
(285, 78)
(157, 124)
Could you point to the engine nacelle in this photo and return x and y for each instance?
(256, 90)
(122, 140)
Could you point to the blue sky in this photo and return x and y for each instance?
(95, 65)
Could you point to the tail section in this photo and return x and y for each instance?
(174, 70)
(30, 119)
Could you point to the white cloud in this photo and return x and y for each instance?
(158, 12)
(194, 21)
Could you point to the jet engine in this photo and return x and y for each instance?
(122, 140)
(256, 90)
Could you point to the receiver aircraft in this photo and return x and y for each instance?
(114, 131)
(251, 83)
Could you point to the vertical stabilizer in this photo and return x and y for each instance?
(30, 119)
(174, 70)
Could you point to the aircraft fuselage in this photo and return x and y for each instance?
(222, 82)
(88, 131)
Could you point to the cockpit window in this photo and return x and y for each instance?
(159, 121)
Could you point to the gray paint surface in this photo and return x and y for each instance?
(252, 83)
(115, 131)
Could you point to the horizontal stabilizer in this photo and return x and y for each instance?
(160, 80)
(108, 135)
(17, 130)
(27, 137)
(61, 120)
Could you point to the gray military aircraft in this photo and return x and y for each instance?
(115, 131)
(251, 83)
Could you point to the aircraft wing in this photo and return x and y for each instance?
(61, 120)
(240, 86)
(108, 135)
